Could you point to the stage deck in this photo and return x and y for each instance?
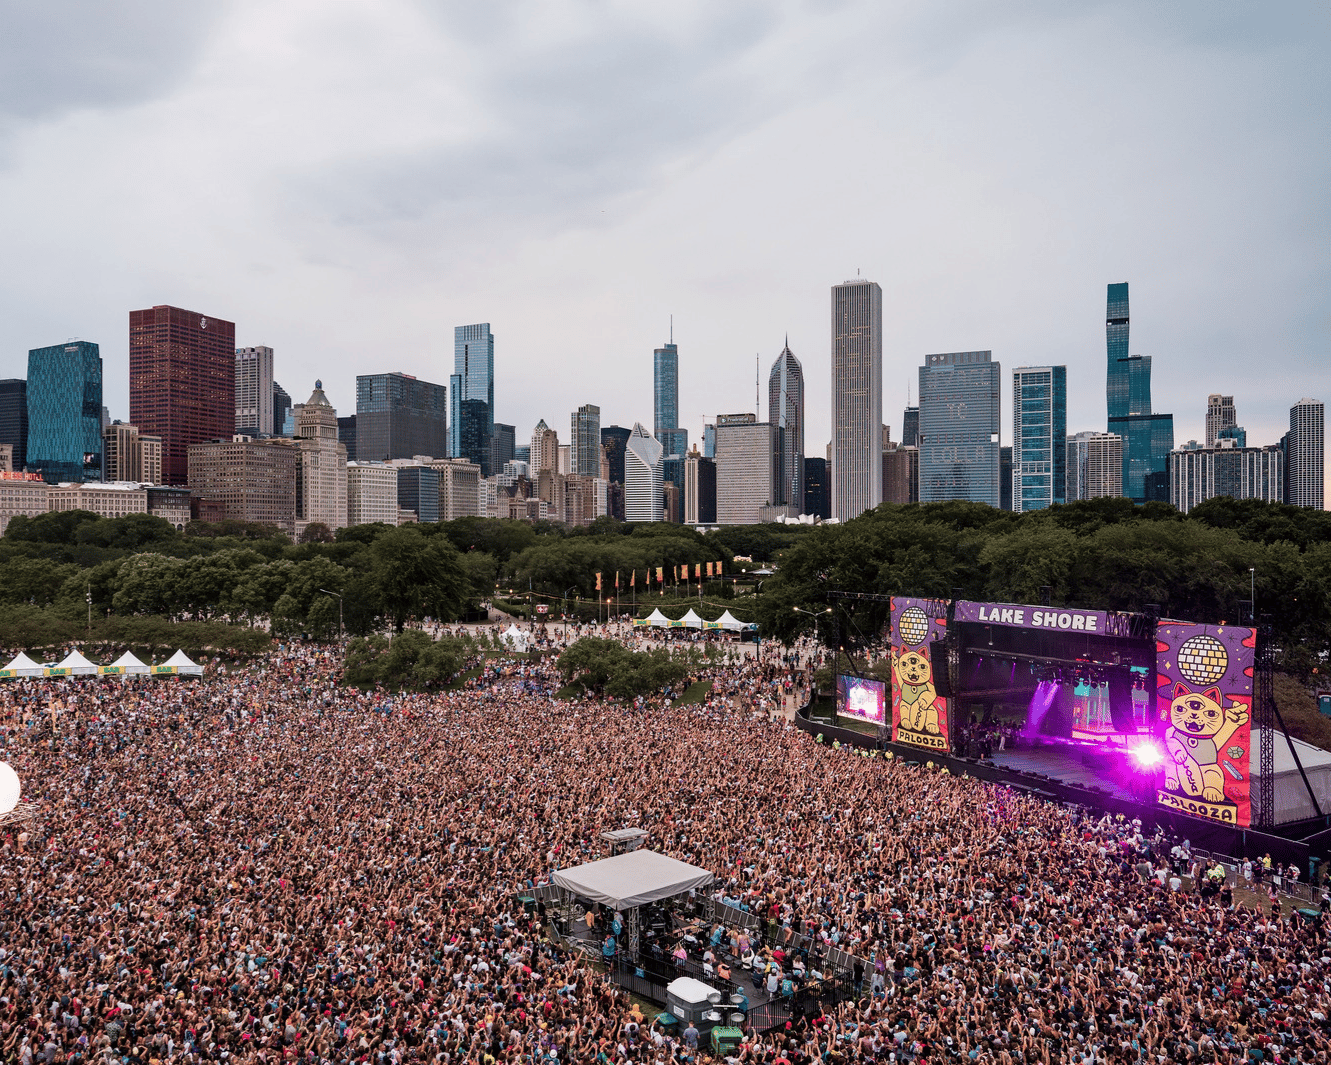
(1074, 764)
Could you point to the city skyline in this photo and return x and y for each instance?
(577, 213)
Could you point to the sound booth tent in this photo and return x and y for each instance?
(633, 879)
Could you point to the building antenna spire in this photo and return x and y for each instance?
(757, 374)
(672, 329)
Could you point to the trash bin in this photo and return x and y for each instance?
(528, 904)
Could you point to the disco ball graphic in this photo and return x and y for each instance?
(1203, 660)
(913, 626)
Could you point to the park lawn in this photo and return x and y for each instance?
(695, 693)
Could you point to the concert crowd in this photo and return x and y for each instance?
(264, 866)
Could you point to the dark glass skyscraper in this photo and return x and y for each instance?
(65, 412)
(785, 410)
(473, 394)
(14, 418)
(665, 389)
(585, 456)
(399, 417)
(1147, 438)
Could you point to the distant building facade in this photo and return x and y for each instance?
(1305, 452)
(817, 492)
(253, 480)
(473, 395)
(1196, 475)
(585, 441)
(254, 391)
(182, 382)
(643, 485)
(14, 419)
(1220, 414)
(700, 490)
(785, 411)
(104, 500)
(398, 416)
(321, 480)
(65, 412)
(131, 456)
(371, 493)
(960, 407)
(1039, 437)
(1094, 464)
(1148, 438)
(746, 468)
(857, 399)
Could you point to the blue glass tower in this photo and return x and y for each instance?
(960, 400)
(665, 401)
(1147, 438)
(65, 412)
(1039, 435)
(471, 395)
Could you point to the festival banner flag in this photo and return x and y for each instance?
(709, 569)
(633, 579)
(919, 713)
(1203, 697)
(616, 580)
(660, 575)
(598, 582)
(697, 570)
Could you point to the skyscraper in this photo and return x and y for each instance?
(544, 449)
(585, 441)
(817, 498)
(473, 394)
(747, 461)
(502, 443)
(399, 416)
(1305, 458)
(614, 440)
(665, 400)
(699, 490)
(960, 406)
(321, 478)
(643, 499)
(1220, 414)
(1199, 474)
(1148, 438)
(857, 398)
(65, 412)
(281, 408)
(127, 456)
(182, 381)
(785, 411)
(910, 427)
(254, 390)
(1039, 437)
(1094, 465)
(14, 419)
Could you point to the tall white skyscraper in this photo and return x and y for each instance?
(1305, 469)
(1094, 465)
(747, 460)
(857, 398)
(643, 487)
(254, 391)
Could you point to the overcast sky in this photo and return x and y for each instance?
(347, 181)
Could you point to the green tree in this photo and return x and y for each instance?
(418, 576)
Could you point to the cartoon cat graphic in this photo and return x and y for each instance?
(1198, 728)
(915, 677)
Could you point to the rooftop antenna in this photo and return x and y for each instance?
(757, 373)
(672, 329)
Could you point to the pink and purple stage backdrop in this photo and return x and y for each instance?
(861, 697)
(1204, 679)
(919, 713)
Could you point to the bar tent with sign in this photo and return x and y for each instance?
(730, 623)
(22, 666)
(73, 664)
(658, 620)
(125, 666)
(691, 620)
(178, 664)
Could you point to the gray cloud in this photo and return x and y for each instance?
(57, 55)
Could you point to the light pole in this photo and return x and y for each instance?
(341, 632)
(88, 595)
(1252, 593)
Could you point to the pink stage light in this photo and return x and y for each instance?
(1147, 755)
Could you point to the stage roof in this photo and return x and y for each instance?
(632, 879)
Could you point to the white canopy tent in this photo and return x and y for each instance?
(181, 663)
(1291, 795)
(691, 620)
(23, 666)
(658, 620)
(732, 624)
(513, 638)
(125, 665)
(76, 664)
(633, 879)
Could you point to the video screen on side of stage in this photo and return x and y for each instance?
(861, 698)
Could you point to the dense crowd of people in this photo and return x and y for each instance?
(263, 866)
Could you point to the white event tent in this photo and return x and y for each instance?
(632, 879)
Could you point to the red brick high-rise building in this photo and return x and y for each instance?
(182, 381)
